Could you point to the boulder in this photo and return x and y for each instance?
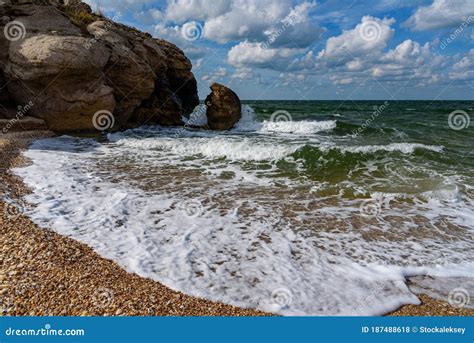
(224, 109)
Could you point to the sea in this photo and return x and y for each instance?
(304, 208)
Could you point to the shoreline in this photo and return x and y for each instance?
(44, 273)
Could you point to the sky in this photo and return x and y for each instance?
(317, 50)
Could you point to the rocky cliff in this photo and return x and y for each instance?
(79, 71)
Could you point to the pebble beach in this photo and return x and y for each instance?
(45, 274)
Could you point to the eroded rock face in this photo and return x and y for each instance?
(71, 64)
(223, 108)
(63, 81)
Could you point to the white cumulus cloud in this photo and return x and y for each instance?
(257, 55)
(371, 35)
(441, 14)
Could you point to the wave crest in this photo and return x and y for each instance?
(248, 123)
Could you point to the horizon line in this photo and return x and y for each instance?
(437, 100)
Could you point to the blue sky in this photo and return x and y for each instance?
(327, 49)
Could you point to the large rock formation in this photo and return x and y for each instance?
(223, 108)
(72, 64)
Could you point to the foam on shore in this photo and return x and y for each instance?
(236, 240)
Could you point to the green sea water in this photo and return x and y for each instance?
(304, 208)
(400, 124)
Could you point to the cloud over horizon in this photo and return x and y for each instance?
(294, 48)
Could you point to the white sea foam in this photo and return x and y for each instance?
(451, 194)
(442, 287)
(242, 248)
(197, 117)
(232, 148)
(249, 123)
(238, 148)
(406, 148)
(298, 127)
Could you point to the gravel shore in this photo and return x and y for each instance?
(43, 273)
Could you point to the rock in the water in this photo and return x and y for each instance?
(73, 64)
(223, 108)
